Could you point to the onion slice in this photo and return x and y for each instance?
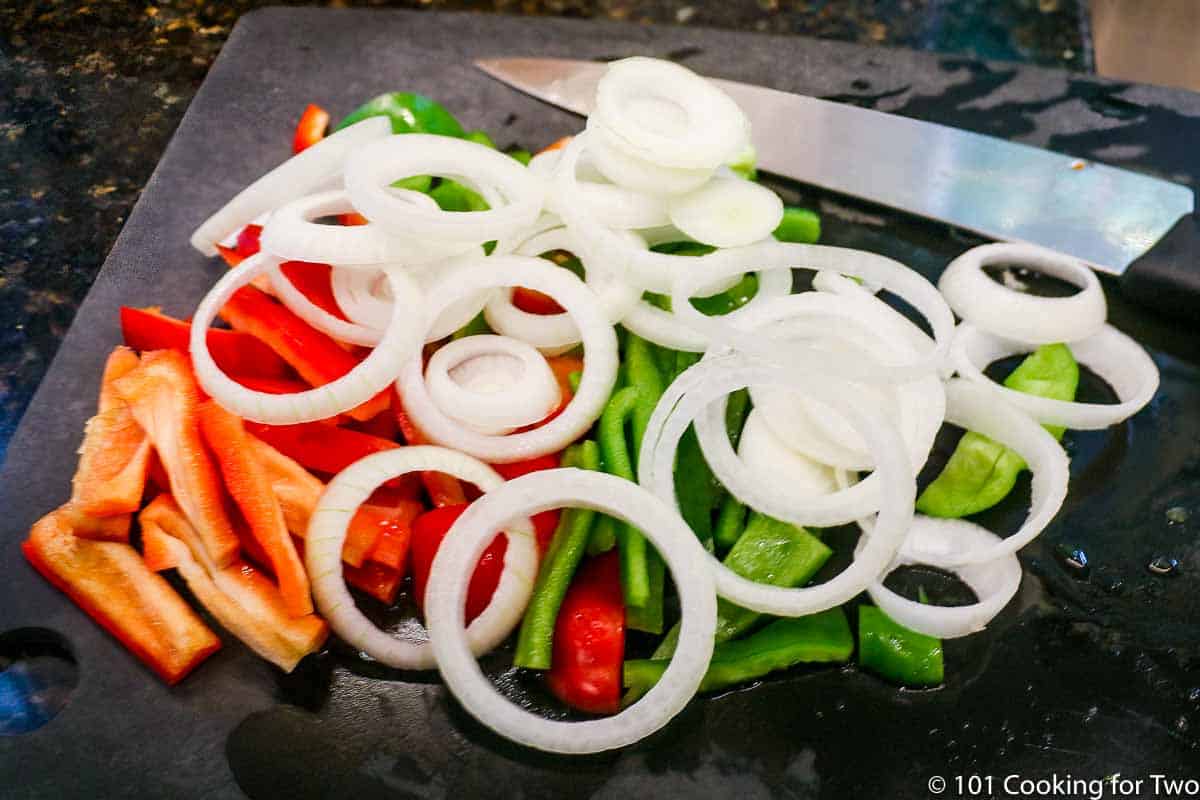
(1112, 355)
(308, 171)
(359, 385)
(599, 361)
(327, 527)
(728, 211)
(994, 582)
(1022, 317)
(974, 407)
(445, 599)
(492, 383)
(318, 317)
(763, 452)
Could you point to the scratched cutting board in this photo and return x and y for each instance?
(1088, 673)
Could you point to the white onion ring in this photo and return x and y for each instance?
(973, 407)
(599, 360)
(359, 385)
(636, 174)
(994, 582)
(292, 235)
(471, 379)
(318, 317)
(371, 170)
(666, 114)
(877, 269)
(531, 494)
(361, 295)
(349, 489)
(611, 205)
(1112, 355)
(895, 486)
(1016, 315)
(763, 452)
(728, 211)
(307, 171)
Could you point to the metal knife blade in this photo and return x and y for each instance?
(1103, 215)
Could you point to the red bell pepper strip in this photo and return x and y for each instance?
(395, 531)
(311, 128)
(113, 460)
(444, 490)
(109, 581)
(589, 639)
(375, 580)
(532, 301)
(428, 530)
(352, 218)
(316, 357)
(245, 601)
(297, 492)
(163, 398)
(271, 385)
(235, 352)
(562, 367)
(322, 447)
(247, 482)
(314, 281)
(247, 240)
(545, 523)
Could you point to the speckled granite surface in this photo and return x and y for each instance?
(91, 92)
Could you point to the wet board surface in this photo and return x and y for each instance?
(1091, 673)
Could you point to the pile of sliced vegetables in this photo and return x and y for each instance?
(434, 346)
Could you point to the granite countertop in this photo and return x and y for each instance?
(94, 90)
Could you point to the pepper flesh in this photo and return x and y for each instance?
(409, 113)
(894, 652)
(428, 531)
(798, 225)
(443, 490)
(311, 128)
(589, 639)
(981, 472)
(546, 522)
(248, 484)
(818, 638)
(316, 357)
(111, 584)
(236, 353)
(163, 397)
(561, 559)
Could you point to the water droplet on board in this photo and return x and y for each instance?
(1194, 694)
(1182, 724)
(1177, 515)
(1074, 559)
(1163, 566)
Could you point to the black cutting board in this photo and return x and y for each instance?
(1088, 674)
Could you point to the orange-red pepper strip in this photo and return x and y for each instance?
(444, 490)
(236, 353)
(311, 128)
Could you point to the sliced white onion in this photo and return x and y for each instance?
(728, 211)
(359, 385)
(1022, 317)
(994, 582)
(308, 171)
(975, 408)
(327, 533)
(876, 269)
(637, 174)
(1112, 355)
(893, 483)
(763, 452)
(293, 235)
(492, 383)
(666, 114)
(664, 328)
(599, 362)
(318, 317)
(372, 169)
(445, 599)
(611, 205)
(363, 296)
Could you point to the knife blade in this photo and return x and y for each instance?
(1103, 215)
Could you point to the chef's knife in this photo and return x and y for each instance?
(1140, 228)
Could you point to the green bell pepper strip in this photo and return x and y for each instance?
(574, 379)
(604, 535)
(746, 163)
(731, 519)
(480, 137)
(724, 302)
(771, 552)
(784, 643)
(409, 113)
(981, 472)
(453, 196)
(476, 327)
(642, 373)
(614, 449)
(524, 156)
(535, 642)
(798, 225)
(896, 653)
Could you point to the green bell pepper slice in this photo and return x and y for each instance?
(981, 472)
(896, 653)
(798, 225)
(409, 113)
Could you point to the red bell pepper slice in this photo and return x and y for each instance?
(532, 301)
(247, 240)
(163, 398)
(114, 460)
(545, 523)
(316, 357)
(235, 352)
(311, 128)
(323, 447)
(315, 282)
(428, 530)
(589, 638)
(395, 531)
(444, 490)
(247, 482)
(109, 581)
(375, 580)
(352, 218)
